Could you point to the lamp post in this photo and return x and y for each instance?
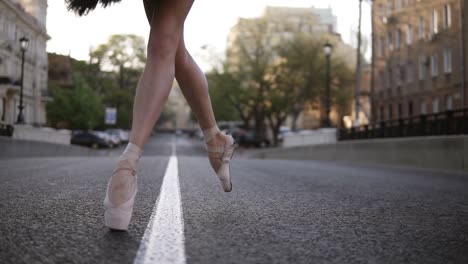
(24, 42)
(327, 49)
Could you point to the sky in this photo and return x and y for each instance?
(207, 25)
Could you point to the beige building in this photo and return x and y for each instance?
(419, 61)
(23, 18)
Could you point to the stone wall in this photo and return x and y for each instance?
(441, 152)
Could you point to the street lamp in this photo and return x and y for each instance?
(327, 49)
(24, 42)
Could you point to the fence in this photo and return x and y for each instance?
(453, 122)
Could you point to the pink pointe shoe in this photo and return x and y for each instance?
(220, 156)
(120, 196)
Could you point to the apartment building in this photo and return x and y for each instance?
(419, 65)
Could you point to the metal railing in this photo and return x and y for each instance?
(453, 122)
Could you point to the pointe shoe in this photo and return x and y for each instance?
(118, 212)
(220, 162)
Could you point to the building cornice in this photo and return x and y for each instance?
(27, 18)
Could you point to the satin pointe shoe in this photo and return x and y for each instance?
(120, 196)
(220, 156)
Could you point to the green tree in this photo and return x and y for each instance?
(268, 77)
(247, 64)
(222, 85)
(115, 68)
(301, 72)
(76, 108)
(121, 52)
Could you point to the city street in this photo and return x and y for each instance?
(278, 212)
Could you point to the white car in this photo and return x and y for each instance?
(111, 140)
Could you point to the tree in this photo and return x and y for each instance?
(301, 74)
(76, 108)
(222, 86)
(247, 64)
(120, 52)
(303, 69)
(268, 76)
(119, 64)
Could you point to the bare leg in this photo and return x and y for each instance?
(191, 79)
(152, 91)
(194, 86)
(155, 82)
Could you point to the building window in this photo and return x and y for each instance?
(389, 41)
(434, 65)
(389, 78)
(435, 105)
(380, 46)
(381, 114)
(423, 108)
(422, 70)
(400, 111)
(409, 72)
(434, 23)
(380, 10)
(421, 28)
(389, 8)
(409, 34)
(410, 109)
(401, 78)
(397, 5)
(447, 16)
(448, 103)
(382, 80)
(389, 112)
(447, 60)
(397, 39)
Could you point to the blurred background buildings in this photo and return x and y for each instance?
(23, 18)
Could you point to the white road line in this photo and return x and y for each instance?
(163, 241)
(174, 140)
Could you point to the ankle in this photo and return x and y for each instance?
(132, 153)
(218, 139)
(210, 133)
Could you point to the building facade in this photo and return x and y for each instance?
(419, 59)
(23, 18)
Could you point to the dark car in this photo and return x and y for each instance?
(251, 138)
(248, 138)
(89, 140)
(6, 129)
(237, 133)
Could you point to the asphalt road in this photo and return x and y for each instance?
(279, 211)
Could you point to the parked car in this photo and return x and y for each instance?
(112, 139)
(237, 133)
(6, 129)
(251, 138)
(89, 139)
(247, 138)
(122, 135)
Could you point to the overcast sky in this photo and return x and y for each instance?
(208, 23)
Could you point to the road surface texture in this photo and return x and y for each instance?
(278, 212)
